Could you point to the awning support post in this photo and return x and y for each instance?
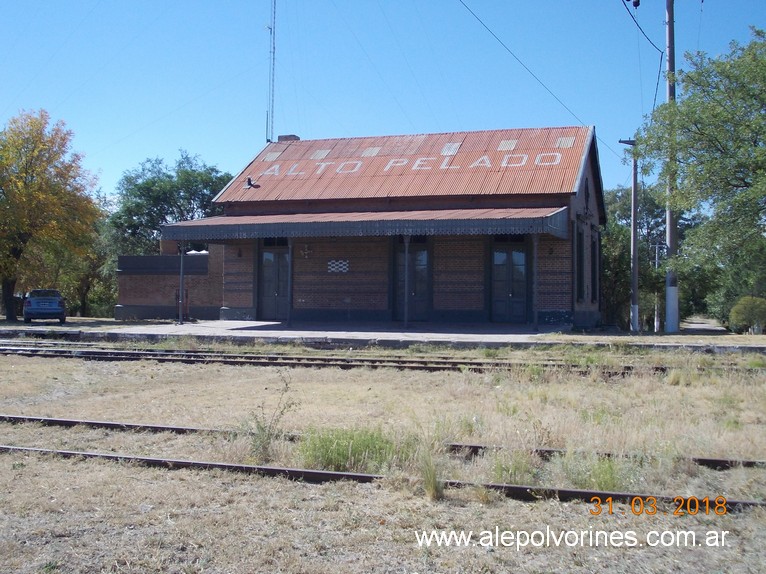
(181, 287)
(535, 245)
(406, 280)
(289, 281)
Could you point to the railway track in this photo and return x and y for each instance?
(454, 447)
(519, 492)
(247, 359)
(92, 352)
(515, 491)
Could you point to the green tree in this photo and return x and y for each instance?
(44, 196)
(85, 276)
(749, 313)
(153, 195)
(717, 134)
(616, 250)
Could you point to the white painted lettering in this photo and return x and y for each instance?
(483, 161)
(395, 163)
(446, 163)
(421, 162)
(321, 165)
(509, 161)
(355, 166)
(555, 159)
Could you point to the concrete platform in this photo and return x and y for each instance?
(698, 335)
(382, 334)
(342, 333)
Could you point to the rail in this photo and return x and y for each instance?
(518, 492)
(431, 364)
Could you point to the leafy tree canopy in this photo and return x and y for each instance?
(749, 313)
(44, 194)
(717, 133)
(154, 195)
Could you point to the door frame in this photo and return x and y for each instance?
(403, 244)
(281, 246)
(524, 243)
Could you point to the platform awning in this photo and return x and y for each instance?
(487, 221)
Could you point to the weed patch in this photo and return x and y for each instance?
(264, 426)
(353, 450)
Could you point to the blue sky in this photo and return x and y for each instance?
(137, 79)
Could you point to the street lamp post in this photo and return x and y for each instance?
(634, 326)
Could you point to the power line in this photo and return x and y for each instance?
(648, 39)
(523, 65)
(657, 85)
(374, 66)
(531, 73)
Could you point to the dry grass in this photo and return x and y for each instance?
(85, 516)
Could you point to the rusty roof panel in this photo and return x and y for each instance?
(428, 222)
(414, 215)
(504, 162)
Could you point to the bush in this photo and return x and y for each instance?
(264, 428)
(749, 313)
(352, 450)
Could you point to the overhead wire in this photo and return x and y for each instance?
(531, 73)
(372, 63)
(523, 65)
(51, 58)
(447, 95)
(632, 17)
(403, 53)
(642, 186)
(648, 39)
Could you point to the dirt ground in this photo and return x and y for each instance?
(84, 516)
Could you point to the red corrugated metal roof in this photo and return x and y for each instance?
(516, 161)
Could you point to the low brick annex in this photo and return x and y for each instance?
(492, 226)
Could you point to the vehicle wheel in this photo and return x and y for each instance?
(62, 320)
(26, 320)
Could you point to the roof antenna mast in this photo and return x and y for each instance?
(272, 60)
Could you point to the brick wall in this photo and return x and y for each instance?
(345, 274)
(458, 273)
(340, 274)
(161, 289)
(554, 274)
(155, 296)
(238, 275)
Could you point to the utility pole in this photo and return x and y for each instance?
(634, 326)
(672, 322)
(671, 220)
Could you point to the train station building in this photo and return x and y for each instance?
(500, 226)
